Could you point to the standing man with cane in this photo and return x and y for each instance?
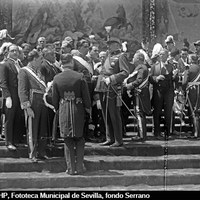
(114, 71)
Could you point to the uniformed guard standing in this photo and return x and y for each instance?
(139, 85)
(191, 84)
(71, 98)
(113, 73)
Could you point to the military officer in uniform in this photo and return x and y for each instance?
(114, 70)
(84, 65)
(191, 85)
(31, 90)
(139, 85)
(71, 98)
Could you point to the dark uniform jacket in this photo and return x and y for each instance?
(79, 67)
(191, 82)
(115, 67)
(140, 82)
(30, 88)
(71, 97)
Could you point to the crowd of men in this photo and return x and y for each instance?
(80, 92)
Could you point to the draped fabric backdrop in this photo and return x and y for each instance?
(150, 20)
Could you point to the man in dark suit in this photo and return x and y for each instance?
(14, 116)
(139, 86)
(49, 70)
(71, 98)
(162, 76)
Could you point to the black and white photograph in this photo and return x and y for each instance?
(99, 98)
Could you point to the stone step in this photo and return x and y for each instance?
(133, 127)
(95, 163)
(151, 147)
(100, 178)
(138, 187)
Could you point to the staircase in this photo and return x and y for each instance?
(152, 165)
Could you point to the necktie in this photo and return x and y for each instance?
(17, 66)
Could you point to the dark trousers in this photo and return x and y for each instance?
(38, 140)
(124, 111)
(74, 153)
(162, 99)
(51, 116)
(98, 121)
(14, 127)
(112, 118)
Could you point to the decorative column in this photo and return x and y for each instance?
(149, 19)
(152, 20)
(145, 20)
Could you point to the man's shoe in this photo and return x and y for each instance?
(45, 157)
(106, 143)
(70, 172)
(79, 172)
(34, 160)
(116, 145)
(11, 147)
(159, 137)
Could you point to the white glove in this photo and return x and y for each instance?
(30, 112)
(8, 102)
(98, 105)
(129, 93)
(160, 78)
(107, 80)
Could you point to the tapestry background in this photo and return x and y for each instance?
(56, 19)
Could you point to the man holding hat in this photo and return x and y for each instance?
(114, 70)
